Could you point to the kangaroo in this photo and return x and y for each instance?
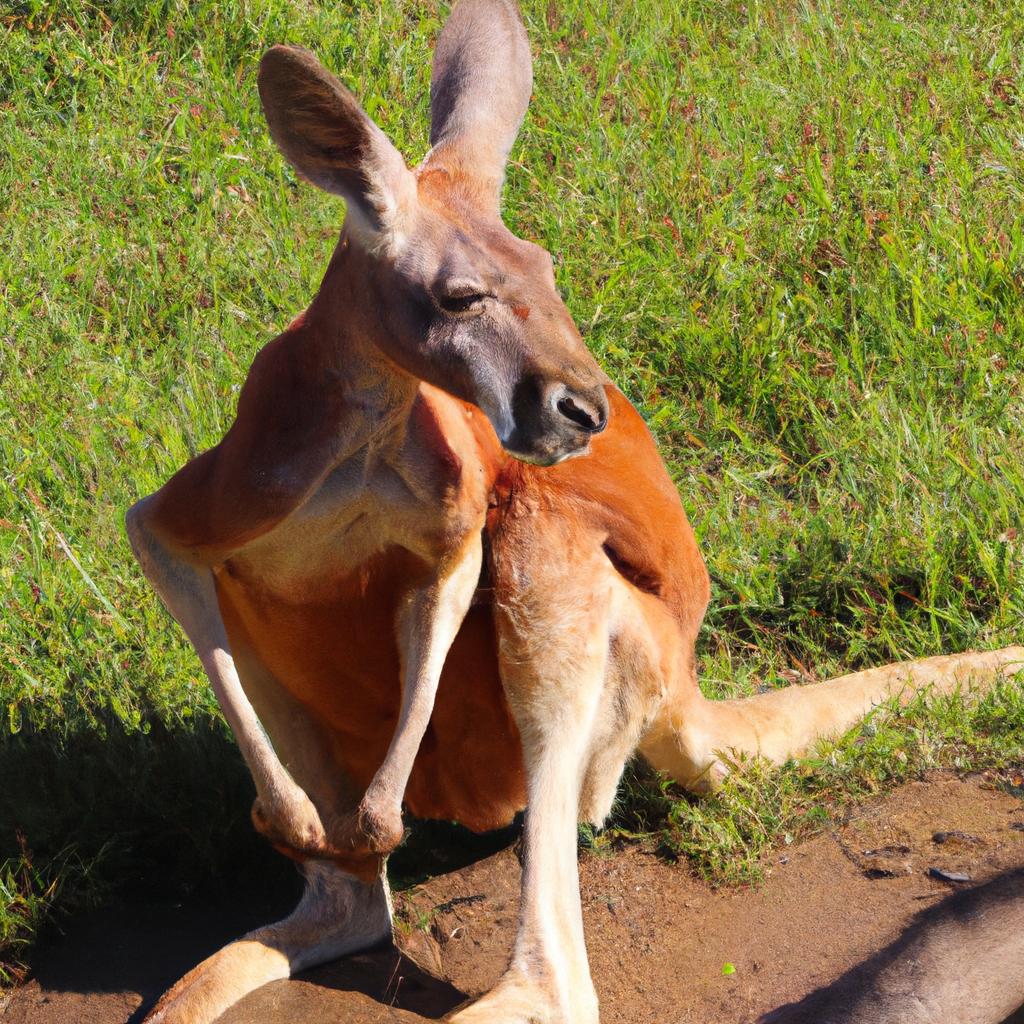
(437, 557)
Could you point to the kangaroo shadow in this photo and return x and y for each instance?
(958, 958)
(166, 866)
(143, 949)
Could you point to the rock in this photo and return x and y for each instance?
(955, 877)
(957, 837)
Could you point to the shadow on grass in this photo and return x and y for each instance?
(162, 812)
(148, 837)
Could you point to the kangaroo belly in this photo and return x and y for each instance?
(324, 627)
(335, 651)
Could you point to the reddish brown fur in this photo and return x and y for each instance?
(624, 490)
(336, 651)
(249, 482)
(468, 768)
(329, 652)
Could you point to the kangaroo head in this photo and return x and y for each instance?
(453, 296)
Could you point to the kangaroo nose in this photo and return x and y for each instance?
(591, 415)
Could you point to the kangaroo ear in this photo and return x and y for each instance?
(480, 86)
(328, 138)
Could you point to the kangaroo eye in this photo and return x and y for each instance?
(463, 302)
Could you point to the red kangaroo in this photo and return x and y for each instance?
(417, 421)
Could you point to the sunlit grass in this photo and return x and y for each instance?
(793, 232)
(727, 837)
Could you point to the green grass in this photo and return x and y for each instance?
(793, 232)
(726, 838)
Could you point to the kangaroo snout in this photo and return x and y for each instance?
(554, 420)
(588, 412)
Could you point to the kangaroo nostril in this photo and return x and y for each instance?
(581, 413)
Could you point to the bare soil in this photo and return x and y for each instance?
(658, 938)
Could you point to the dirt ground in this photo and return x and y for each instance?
(657, 937)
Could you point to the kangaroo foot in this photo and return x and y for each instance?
(337, 915)
(518, 999)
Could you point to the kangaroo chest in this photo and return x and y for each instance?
(314, 603)
(420, 487)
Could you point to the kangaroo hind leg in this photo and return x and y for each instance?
(337, 915)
